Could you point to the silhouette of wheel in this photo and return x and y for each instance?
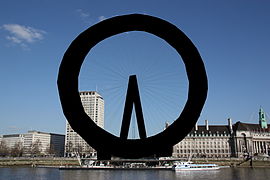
(104, 142)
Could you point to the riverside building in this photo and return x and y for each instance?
(223, 141)
(12, 139)
(93, 105)
(49, 142)
(206, 141)
(36, 143)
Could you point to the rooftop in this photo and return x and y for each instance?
(249, 127)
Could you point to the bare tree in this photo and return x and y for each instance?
(35, 148)
(17, 150)
(50, 150)
(3, 148)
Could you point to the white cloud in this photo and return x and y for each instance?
(82, 13)
(101, 18)
(86, 18)
(13, 39)
(22, 35)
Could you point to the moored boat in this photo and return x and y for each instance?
(189, 166)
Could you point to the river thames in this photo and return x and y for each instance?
(17, 173)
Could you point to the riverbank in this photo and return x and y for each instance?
(33, 162)
(57, 162)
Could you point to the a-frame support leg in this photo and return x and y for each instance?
(132, 97)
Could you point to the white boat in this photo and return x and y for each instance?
(189, 166)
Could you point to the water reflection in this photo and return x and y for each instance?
(226, 174)
(189, 175)
(249, 173)
(55, 174)
(222, 174)
(111, 174)
(18, 173)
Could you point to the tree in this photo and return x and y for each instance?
(17, 150)
(35, 148)
(3, 148)
(50, 150)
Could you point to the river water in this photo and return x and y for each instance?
(55, 174)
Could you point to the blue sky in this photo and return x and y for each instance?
(231, 36)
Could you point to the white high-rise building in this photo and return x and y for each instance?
(93, 104)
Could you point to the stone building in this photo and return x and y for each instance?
(223, 141)
(252, 139)
(206, 141)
